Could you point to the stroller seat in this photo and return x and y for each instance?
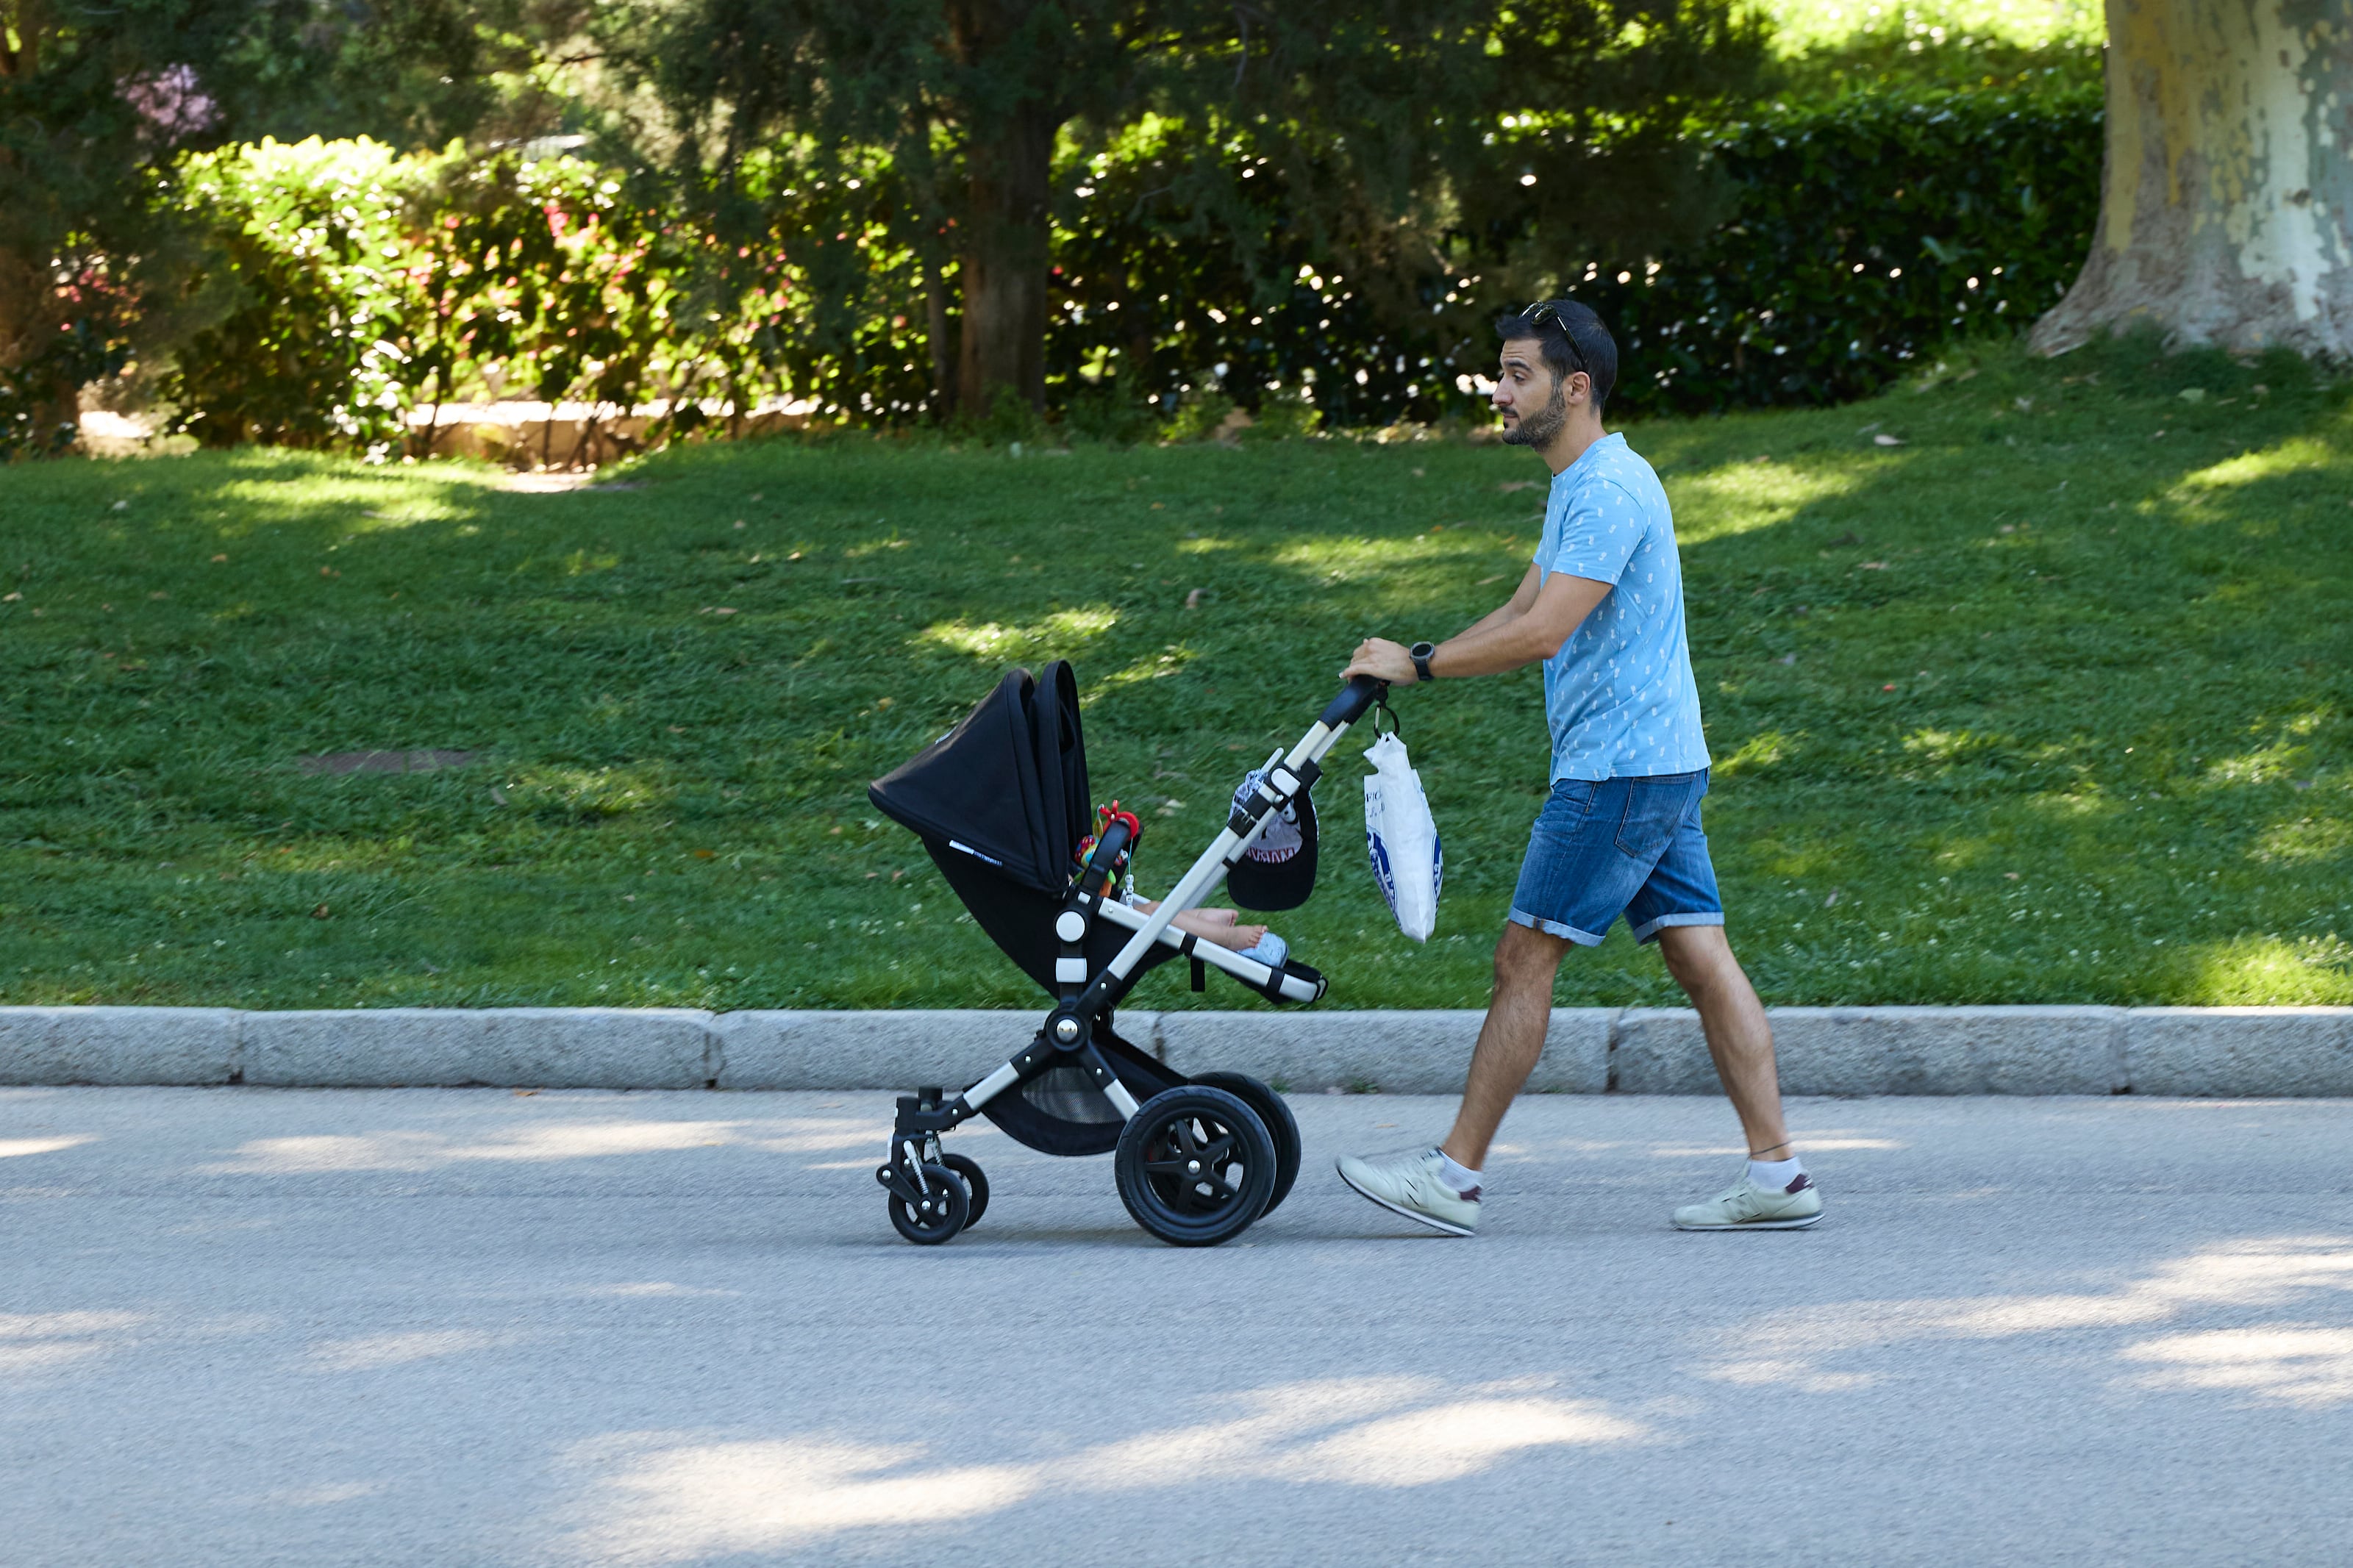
(1001, 803)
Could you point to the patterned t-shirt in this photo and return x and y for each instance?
(1619, 694)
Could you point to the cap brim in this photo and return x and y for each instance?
(1285, 884)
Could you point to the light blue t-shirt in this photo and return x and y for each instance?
(1619, 694)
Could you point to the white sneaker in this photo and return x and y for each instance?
(1412, 1186)
(1748, 1206)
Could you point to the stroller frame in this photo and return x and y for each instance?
(934, 1196)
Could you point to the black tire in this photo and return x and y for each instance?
(975, 1184)
(1194, 1165)
(1280, 1125)
(939, 1217)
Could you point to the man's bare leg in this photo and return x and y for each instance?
(1510, 1040)
(1738, 1036)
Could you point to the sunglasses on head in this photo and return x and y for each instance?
(1544, 310)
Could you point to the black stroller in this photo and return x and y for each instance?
(1002, 805)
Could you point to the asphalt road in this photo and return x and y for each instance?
(467, 1327)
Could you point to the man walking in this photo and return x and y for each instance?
(1602, 606)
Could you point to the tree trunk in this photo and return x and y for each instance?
(2227, 189)
(943, 352)
(29, 319)
(1008, 125)
(1004, 262)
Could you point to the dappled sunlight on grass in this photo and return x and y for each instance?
(1742, 498)
(592, 791)
(1755, 755)
(2248, 971)
(2303, 454)
(1065, 633)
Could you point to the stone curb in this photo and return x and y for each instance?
(2192, 1052)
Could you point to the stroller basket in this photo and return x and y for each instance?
(1001, 803)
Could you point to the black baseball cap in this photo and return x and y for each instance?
(1278, 872)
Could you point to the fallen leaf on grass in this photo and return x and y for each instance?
(11, 598)
(322, 912)
(1508, 486)
(1889, 687)
(217, 560)
(329, 572)
(706, 854)
(1484, 582)
(1886, 440)
(1874, 566)
(1193, 599)
(716, 610)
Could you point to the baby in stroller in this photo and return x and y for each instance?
(1002, 806)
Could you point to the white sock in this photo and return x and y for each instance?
(1775, 1175)
(1461, 1178)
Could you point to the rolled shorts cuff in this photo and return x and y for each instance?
(1649, 928)
(1554, 927)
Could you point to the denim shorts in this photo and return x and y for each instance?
(1605, 848)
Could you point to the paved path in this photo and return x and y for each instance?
(449, 1328)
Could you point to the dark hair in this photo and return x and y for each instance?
(1574, 339)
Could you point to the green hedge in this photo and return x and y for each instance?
(1862, 234)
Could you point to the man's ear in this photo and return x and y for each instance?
(1580, 388)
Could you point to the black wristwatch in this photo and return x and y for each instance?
(1420, 653)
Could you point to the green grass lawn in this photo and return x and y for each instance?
(2047, 703)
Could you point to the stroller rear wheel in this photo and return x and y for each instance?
(1196, 1165)
(1280, 1126)
(975, 1183)
(945, 1208)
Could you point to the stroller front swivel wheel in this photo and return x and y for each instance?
(941, 1209)
(1194, 1165)
(974, 1184)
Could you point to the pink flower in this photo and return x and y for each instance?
(172, 101)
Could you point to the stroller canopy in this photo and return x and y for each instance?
(1009, 783)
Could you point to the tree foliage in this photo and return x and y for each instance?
(1376, 124)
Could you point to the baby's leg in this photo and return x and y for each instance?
(1220, 926)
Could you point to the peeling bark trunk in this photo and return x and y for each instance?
(2228, 188)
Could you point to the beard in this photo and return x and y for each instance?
(1537, 429)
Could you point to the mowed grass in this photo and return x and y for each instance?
(2047, 703)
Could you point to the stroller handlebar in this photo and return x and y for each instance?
(1355, 699)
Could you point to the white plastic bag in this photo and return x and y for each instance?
(1402, 838)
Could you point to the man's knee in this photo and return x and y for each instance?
(1526, 956)
(1700, 958)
